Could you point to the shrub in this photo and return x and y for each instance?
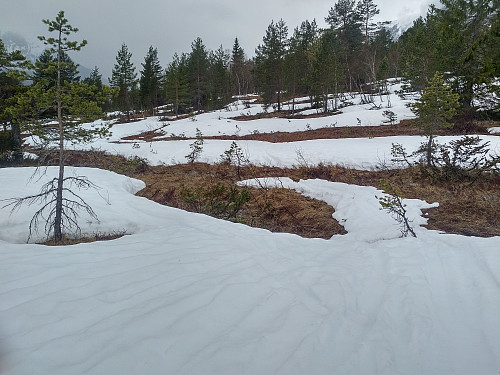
(218, 200)
(6, 143)
(393, 204)
(467, 158)
(235, 156)
(196, 147)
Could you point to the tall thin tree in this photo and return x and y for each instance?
(75, 103)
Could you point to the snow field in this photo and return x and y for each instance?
(185, 293)
(189, 294)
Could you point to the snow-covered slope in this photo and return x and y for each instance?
(189, 294)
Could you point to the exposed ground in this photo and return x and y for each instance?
(405, 127)
(465, 208)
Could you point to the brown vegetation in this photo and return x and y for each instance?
(465, 208)
(405, 127)
(66, 241)
(468, 209)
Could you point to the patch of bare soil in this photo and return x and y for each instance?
(278, 210)
(405, 127)
(465, 208)
(67, 241)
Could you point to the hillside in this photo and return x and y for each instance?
(184, 293)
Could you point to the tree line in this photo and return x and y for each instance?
(459, 38)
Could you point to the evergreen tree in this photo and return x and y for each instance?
(460, 37)
(298, 60)
(343, 15)
(435, 108)
(150, 81)
(73, 107)
(13, 67)
(345, 20)
(328, 70)
(123, 77)
(418, 48)
(465, 27)
(239, 71)
(198, 63)
(95, 78)
(219, 78)
(366, 10)
(269, 63)
(69, 70)
(176, 84)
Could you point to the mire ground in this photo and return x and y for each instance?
(464, 208)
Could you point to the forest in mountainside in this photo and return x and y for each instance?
(457, 38)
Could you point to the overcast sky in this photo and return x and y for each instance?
(171, 25)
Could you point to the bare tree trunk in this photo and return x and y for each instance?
(60, 180)
(16, 142)
(429, 150)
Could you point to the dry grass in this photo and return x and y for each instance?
(465, 208)
(278, 210)
(405, 127)
(67, 241)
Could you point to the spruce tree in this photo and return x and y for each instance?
(237, 68)
(465, 27)
(69, 70)
(419, 57)
(95, 78)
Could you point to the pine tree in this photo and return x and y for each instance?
(437, 105)
(343, 15)
(269, 63)
(345, 20)
(13, 67)
(176, 84)
(219, 78)
(328, 70)
(95, 78)
(198, 63)
(366, 10)
(73, 107)
(123, 77)
(298, 60)
(150, 81)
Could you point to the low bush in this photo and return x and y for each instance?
(467, 158)
(219, 200)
